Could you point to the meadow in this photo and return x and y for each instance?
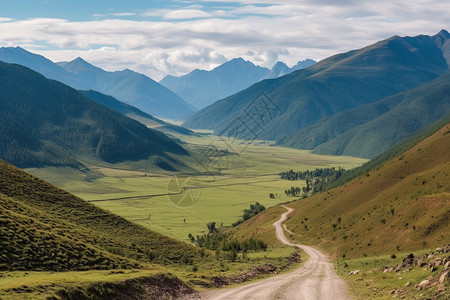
(221, 179)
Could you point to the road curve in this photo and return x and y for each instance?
(316, 279)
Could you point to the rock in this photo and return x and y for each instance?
(439, 250)
(441, 287)
(356, 272)
(433, 268)
(392, 292)
(424, 284)
(408, 261)
(447, 265)
(388, 269)
(430, 256)
(443, 277)
(437, 263)
(407, 284)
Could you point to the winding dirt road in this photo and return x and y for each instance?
(316, 279)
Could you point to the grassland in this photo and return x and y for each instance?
(224, 186)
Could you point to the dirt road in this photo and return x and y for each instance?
(315, 280)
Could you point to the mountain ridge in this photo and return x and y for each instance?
(49, 123)
(342, 81)
(126, 86)
(202, 88)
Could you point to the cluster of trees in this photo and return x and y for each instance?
(317, 173)
(248, 213)
(296, 191)
(318, 180)
(218, 240)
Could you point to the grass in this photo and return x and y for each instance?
(244, 179)
(372, 282)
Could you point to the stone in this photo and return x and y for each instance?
(424, 284)
(407, 284)
(443, 277)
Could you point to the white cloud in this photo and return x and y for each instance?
(176, 41)
(186, 14)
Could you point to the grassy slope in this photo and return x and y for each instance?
(42, 214)
(402, 204)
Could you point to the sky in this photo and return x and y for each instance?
(158, 38)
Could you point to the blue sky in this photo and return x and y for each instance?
(174, 37)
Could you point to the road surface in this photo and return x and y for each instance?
(316, 279)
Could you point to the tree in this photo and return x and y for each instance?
(211, 227)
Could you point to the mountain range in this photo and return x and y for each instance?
(202, 88)
(135, 113)
(127, 86)
(49, 123)
(331, 86)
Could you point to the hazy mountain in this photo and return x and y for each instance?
(335, 84)
(368, 130)
(132, 88)
(281, 69)
(202, 88)
(135, 113)
(44, 122)
(303, 64)
(41, 65)
(127, 86)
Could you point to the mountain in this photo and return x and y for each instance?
(335, 84)
(368, 130)
(127, 86)
(201, 88)
(303, 64)
(41, 65)
(45, 228)
(135, 113)
(44, 122)
(132, 88)
(281, 69)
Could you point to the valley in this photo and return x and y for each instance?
(243, 180)
(242, 173)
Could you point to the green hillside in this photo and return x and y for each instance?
(399, 205)
(44, 122)
(335, 84)
(371, 129)
(45, 228)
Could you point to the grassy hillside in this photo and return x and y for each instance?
(399, 203)
(45, 228)
(335, 84)
(402, 205)
(49, 123)
(371, 129)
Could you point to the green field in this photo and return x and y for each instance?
(222, 189)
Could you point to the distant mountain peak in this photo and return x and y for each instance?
(444, 33)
